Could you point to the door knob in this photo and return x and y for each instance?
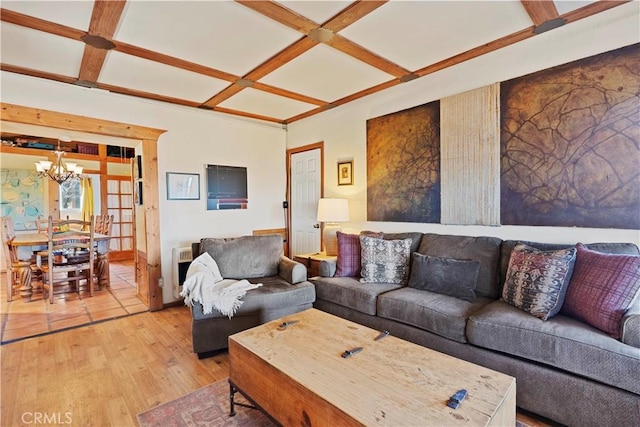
(316, 225)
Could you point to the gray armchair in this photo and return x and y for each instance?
(259, 259)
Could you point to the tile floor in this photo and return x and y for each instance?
(20, 319)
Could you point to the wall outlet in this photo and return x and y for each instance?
(161, 282)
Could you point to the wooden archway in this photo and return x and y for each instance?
(148, 137)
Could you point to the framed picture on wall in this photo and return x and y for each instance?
(345, 173)
(183, 186)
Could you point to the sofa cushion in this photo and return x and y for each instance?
(415, 237)
(602, 289)
(440, 314)
(348, 262)
(607, 248)
(537, 280)
(453, 277)
(561, 342)
(486, 250)
(274, 294)
(349, 292)
(245, 257)
(385, 261)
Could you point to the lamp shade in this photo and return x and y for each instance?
(333, 210)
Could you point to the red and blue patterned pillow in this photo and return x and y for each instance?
(603, 287)
(537, 281)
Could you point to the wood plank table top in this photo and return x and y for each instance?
(36, 239)
(299, 377)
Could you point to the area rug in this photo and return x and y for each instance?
(207, 406)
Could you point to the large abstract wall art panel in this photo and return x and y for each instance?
(570, 144)
(403, 165)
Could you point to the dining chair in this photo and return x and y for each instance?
(104, 224)
(70, 256)
(11, 262)
(19, 272)
(42, 224)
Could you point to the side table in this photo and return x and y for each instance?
(312, 262)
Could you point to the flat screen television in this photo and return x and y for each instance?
(226, 187)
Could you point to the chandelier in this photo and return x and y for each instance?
(58, 170)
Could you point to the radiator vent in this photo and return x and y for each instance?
(181, 258)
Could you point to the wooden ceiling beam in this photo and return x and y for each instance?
(592, 9)
(352, 49)
(16, 18)
(281, 14)
(288, 94)
(37, 73)
(106, 17)
(91, 65)
(297, 22)
(110, 88)
(223, 95)
(161, 58)
(351, 14)
(147, 95)
(249, 115)
(276, 61)
(477, 51)
(104, 21)
(540, 11)
(345, 100)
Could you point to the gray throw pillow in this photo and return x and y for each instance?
(448, 276)
(384, 261)
(537, 281)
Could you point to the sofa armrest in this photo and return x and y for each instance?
(291, 271)
(327, 267)
(630, 329)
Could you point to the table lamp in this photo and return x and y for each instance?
(332, 211)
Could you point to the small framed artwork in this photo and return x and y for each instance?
(183, 186)
(345, 173)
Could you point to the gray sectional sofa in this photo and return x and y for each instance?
(259, 259)
(565, 369)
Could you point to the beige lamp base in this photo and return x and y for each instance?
(330, 238)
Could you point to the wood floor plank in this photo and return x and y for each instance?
(106, 373)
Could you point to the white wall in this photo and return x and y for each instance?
(193, 139)
(343, 129)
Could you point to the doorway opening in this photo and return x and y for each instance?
(16, 115)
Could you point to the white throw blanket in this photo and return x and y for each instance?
(204, 284)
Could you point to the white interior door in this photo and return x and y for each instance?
(305, 192)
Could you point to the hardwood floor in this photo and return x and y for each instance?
(22, 319)
(105, 373)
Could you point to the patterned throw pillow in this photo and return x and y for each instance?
(537, 281)
(602, 289)
(384, 261)
(348, 263)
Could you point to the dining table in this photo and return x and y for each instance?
(28, 244)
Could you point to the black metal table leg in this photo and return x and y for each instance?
(232, 403)
(232, 392)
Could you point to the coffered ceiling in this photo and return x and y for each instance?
(274, 61)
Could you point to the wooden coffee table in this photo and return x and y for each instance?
(298, 376)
